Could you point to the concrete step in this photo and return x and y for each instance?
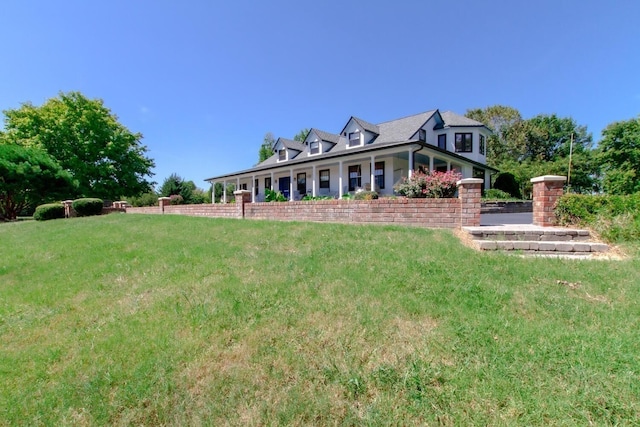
(583, 247)
(540, 235)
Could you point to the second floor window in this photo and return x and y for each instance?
(442, 141)
(354, 139)
(481, 144)
(314, 147)
(464, 142)
(282, 154)
(422, 135)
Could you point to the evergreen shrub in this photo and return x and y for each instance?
(87, 206)
(49, 211)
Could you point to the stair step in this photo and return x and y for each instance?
(550, 235)
(541, 246)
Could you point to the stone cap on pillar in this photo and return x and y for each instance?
(549, 178)
(470, 181)
(240, 192)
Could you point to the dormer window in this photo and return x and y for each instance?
(314, 147)
(282, 154)
(422, 135)
(354, 138)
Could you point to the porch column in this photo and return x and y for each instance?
(448, 166)
(410, 162)
(271, 181)
(340, 180)
(224, 191)
(213, 192)
(237, 185)
(253, 188)
(373, 169)
(313, 181)
(291, 185)
(430, 163)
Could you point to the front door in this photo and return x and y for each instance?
(283, 185)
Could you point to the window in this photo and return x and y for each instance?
(256, 185)
(464, 142)
(379, 175)
(243, 186)
(442, 141)
(282, 154)
(355, 177)
(354, 138)
(314, 147)
(478, 173)
(422, 135)
(302, 183)
(324, 178)
(481, 146)
(267, 183)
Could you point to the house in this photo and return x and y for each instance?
(368, 156)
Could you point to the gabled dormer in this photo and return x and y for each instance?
(359, 132)
(287, 149)
(320, 142)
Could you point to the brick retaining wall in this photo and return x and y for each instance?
(433, 213)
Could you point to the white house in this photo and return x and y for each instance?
(363, 153)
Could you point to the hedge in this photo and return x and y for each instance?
(87, 206)
(49, 211)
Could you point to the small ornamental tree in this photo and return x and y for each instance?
(431, 185)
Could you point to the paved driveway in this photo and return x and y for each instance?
(506, 218)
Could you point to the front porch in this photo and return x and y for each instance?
(379, 171)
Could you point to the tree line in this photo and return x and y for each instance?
(548, 144)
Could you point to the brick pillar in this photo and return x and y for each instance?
(68, 211)
(469, 193)
(242, 197)
(546, 191)
(162, 202)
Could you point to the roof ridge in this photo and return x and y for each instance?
(409, 116)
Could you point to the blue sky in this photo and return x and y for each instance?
(203, 81)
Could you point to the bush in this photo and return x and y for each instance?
(508, 183)
(176, 199)
(49, 211)
(495, 194)
(87, 206)
(273, 196)
(432, 185)
(366, 195)
(615, 218)
(146, 199)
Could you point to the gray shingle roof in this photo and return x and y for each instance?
(326, 136)
(292, 145)
(367, 126)
(402, 129)
(452, 119)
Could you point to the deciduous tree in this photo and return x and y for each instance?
(85, 138)
(28, 177)
(619, 155)
(266, 149)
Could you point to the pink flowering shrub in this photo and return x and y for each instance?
(432, 185)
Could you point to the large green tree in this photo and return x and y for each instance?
(266, 149)
(28, 177)
(86, 139)
(619, 156)
(502, 120)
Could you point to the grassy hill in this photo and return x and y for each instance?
(148, 320)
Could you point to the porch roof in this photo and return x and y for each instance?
(351, 153)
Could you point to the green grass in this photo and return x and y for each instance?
(170, 320)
